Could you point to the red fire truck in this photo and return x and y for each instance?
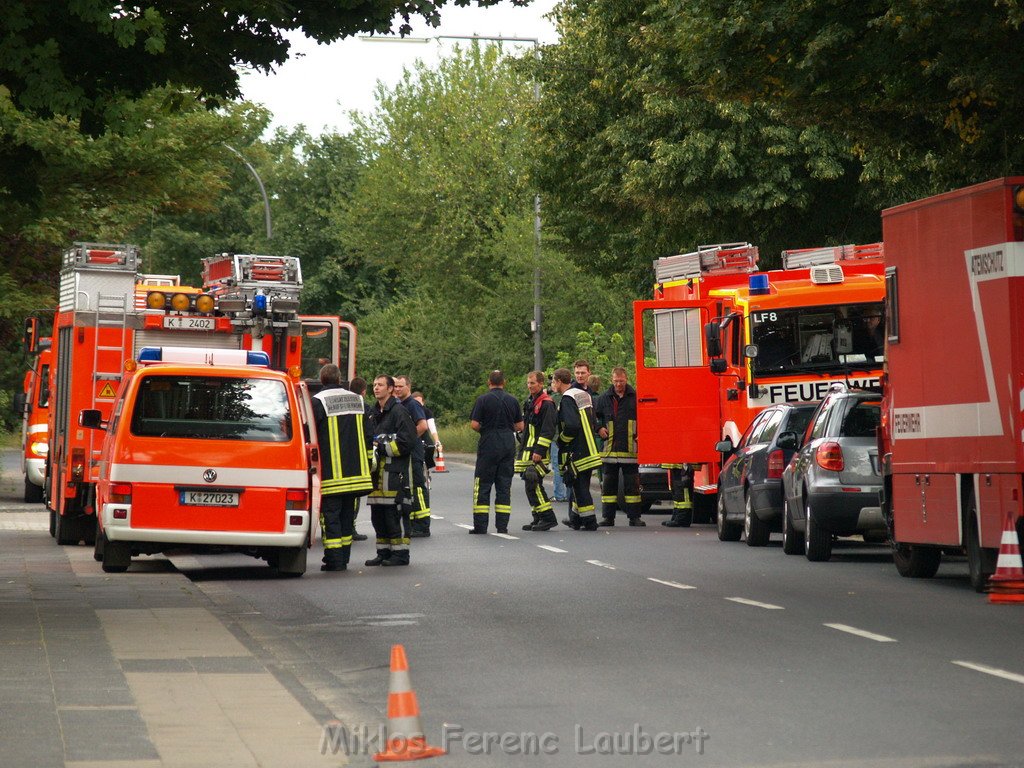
(721, 340)
(109, 310)
(33, 405)
(952, 433)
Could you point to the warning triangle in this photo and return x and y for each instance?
(107, 391)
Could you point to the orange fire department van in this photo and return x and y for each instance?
(33, 403)
(722, 340)
(952, 438)
(208, 450)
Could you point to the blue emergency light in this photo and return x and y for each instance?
(193, 355)
(758, 285)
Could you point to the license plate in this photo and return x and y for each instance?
(183, 323)
(209, 498)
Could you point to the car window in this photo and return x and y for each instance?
(754, 429)
(771, 427)
(798, 420)
(817, 428)
(862, 419)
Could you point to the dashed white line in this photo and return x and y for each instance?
(755, 603)
(994, 671)
(598, 563)
(862, 633)
(463, 525)
(674, 584)
(552, 549)
(505, 536)
(436, 517)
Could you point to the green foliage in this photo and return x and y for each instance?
(457, 436)
(603, 350)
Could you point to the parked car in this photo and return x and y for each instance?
(654, 486)
(750, 484)
(832, 484)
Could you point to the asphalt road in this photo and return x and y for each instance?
(658, 642)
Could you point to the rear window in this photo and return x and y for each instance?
(862, 419)
(212, 408)
(799, 418)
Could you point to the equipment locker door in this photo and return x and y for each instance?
(327, 339)
(678, 411)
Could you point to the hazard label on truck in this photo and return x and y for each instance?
(107, 391)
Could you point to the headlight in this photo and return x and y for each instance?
(39, 449)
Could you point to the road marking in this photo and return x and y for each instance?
(552, 549)
(436, 517)
(602, 565)
(463, 525)
(675, 584)
(862, 633)
(994, 671)
(745, 601)
(505, 536)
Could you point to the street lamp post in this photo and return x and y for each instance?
(263, 190)
(538, 355)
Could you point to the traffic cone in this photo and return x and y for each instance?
(405, 735)
(439, 460)
(1007, 584)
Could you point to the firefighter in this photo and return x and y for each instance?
(540, 420)
(346, 453)
(394, 440)
(680, 477)
(577, 449)
(497, 417)
(419, 511)
(616, 418)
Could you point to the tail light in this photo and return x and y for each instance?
(77, 463)
(829, 456)
(296, 499)
(121, 493)
(776, 463)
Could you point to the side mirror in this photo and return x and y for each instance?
(31, 338)
(724, 446)
(91, 418)
(19, 402)
(788, 441)
(718, 365)
(713, 339)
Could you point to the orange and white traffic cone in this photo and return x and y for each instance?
(439, 460)
(1007, 583)
(405, 735)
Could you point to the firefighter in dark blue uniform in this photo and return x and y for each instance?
(616, 419)
(419, 509)
(393, 442)
(541, 421)
(578, 452)
(346, 453)
(497, 417)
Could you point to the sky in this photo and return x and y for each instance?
(319, 87)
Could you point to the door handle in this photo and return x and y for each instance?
(647, 400)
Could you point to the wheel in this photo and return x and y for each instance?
(756, 530)
(792, 539)
(915, 561)
(89, 526)
(726, 531)
(33, 492)
(817, 542)
(66, 530)
(117, 555)
(53, 523)
(981, 563)
(291, 561)
(97, 550)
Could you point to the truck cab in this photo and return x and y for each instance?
(208, 450)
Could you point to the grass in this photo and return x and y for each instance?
(458, 437)
(10, 439)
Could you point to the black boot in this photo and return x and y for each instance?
(588, 523)
(501, 521)
(545, 521)
(529, 526)
(607, 522)
(398, 557)
(636, 522)
(382, 555)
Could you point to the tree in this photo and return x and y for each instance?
(638, 161)
(925, 94)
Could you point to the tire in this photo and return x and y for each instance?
(792, 539)
(817, 542)
(981, 563)
(53, 524)
(67, 531)
(117, 555)
(291, 561)
(33, 492)
(755, 530)
(726, 531)
(915, 561)
(97, 550)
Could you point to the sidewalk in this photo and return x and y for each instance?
(144, 669)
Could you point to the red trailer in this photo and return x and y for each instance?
(952, 433)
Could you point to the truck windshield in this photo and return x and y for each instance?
(828, 338)
(208, 407)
